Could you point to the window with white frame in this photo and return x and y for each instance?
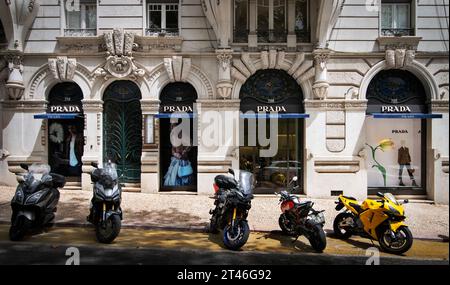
(396, 18)
(82, 20)
(162, 18)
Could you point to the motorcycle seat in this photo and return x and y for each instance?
(349, 197)
(357, 207)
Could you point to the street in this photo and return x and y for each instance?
(156, 246)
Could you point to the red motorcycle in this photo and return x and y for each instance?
(299, 218)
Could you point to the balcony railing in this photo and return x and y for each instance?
(272, 36)
(159, 32)
(80, 32)
(240, 35)
(397, 32)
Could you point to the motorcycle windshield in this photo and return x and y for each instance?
(111, 170)
(37, 171)
(246, 182)
(391, 197)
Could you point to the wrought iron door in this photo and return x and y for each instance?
(122, 130)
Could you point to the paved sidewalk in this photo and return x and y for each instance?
(185, 211)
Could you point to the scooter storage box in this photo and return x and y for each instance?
(224, 181)
(58, 180)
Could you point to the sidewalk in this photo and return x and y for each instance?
(191, 212)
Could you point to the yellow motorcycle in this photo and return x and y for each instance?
(380, 220)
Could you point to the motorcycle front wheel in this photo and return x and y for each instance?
(400, 244)
(235, 237)
(19, 228)
(318, 239)
(108, 231)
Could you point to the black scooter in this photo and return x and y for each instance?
(232, 201)
(105, 212)
(34, 203)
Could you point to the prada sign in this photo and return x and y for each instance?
(175, 109)
(64, 109)
(395, 109)
(271, 109)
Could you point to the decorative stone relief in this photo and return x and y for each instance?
(62, 68)
(177, 68)
(15, 84)
(321, 85)
(119, 60)
(399, 51)
(224, 85)
(300, 69)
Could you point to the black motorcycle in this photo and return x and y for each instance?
(299, 218)
(105, 212)
(34, 203)
(232, 203)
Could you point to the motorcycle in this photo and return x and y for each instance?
(34, 203)
(232, 203)
(105, 212)
(299, 218)
(378, 220)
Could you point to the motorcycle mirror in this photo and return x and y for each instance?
(231, 171)
(94, 164)
(24, 166)
(381, 195)
(405, 201)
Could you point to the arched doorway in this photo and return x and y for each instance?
(122, 129)
(178, 163)
(65, 130)
(273, 92)
(396, 131)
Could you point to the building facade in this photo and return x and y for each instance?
(358, 91)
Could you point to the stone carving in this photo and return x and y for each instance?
(119, 60)
(321, 85)
(352, 93)
(399, 51)
(224, 85)
(224, 59)
(177, 68)
(15, 84)
(62, 68)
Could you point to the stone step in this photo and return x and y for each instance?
(131, 189)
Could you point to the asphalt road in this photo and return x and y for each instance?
(168, 247)
(38, 254)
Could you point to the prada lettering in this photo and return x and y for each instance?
(271, 109)
(399, 131)
(395, 109)
(172, 109)
(65, 109)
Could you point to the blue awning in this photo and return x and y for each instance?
(58, 116)
(275, 116)
(175, 115)
(406, 116)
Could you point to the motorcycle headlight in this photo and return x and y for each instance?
(34, 198)
(394, 211)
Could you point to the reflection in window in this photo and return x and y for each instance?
(82, 21)
(240, 21)
(162, 19)
(301, 20)
(396, 18)
(271, 21)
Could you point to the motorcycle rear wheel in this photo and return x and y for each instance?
(318, 239)
(111, 230)
(340, 232)
(286, 225)
(387, 245)
(234, 240)
(19, 228)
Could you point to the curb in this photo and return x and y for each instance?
(195, 229)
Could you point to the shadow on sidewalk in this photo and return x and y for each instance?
(289, 242)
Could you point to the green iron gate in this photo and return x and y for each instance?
(122, 129)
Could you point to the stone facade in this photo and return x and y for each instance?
(334, 68)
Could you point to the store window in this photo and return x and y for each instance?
(162, 18)
(396, 133)
(273, 90)
(82, 20)
(396, 18)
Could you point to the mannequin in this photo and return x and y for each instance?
(404, 161)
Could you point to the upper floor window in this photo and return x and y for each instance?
(162, 18)
(240, 21)
(271, 21)
(396, 18)
(82, 20)
(302, 20)
(2, 34)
